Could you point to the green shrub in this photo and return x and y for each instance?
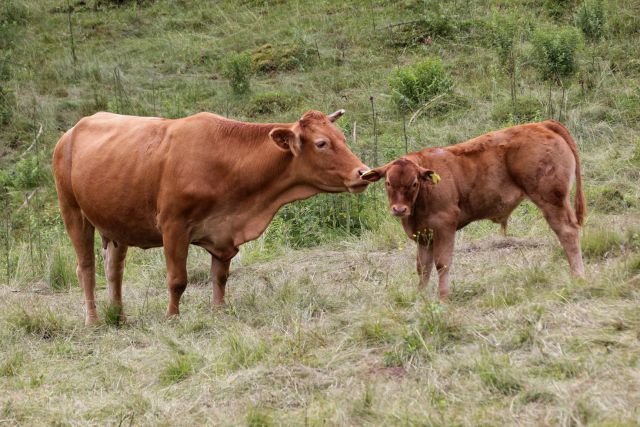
(554, 51)
(28, 173)
(415, 85)
(238, 70)
(269, 103)
(592, 20)
(283, 57)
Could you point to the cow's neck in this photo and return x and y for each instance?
(416, 224)
(271, 183)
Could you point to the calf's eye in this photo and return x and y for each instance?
(414, 185)
(321, 144)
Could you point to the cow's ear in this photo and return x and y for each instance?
(286, 140)
(336, 115)
(372, 175)
(429, 175)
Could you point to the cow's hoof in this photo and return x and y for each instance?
(91, 320)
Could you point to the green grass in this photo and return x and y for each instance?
(323, 324)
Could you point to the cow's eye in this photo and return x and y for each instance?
(415, 184)
(321, 144)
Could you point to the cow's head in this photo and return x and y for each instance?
(403, 179)
(320, 153)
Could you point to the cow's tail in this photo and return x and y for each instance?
(579, 201)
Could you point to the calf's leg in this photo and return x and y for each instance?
(219, 275)
(563, 222)
(114, 256)
(176, 249)
(80, 232)
(424, 263)
(443, 241)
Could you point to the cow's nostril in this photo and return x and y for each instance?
(362, 171)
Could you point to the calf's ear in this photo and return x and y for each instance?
(286, 140)
(429, 175)
(372, 175)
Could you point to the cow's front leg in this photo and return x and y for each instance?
(219, 275)
(176, 248)
(424, 263)
(443, 240)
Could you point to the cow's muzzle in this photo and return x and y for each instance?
(357, 184)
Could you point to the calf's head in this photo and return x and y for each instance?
(320, 153)
(403, 179)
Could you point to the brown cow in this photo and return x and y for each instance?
(485, 178)
(203, 180)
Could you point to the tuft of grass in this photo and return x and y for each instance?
(560, 368)
(258, 417)
(10, 364)
(270, 58)
(374, 333)
(179, 368)
(496, 374)
(39, 322)
(113, 315)
(599, 243)
(527, 109)
(60, 271)
(243, 351)
(270, 103)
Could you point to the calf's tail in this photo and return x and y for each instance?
(579, 204)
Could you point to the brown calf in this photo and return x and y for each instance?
(485, 178)
(203, 180)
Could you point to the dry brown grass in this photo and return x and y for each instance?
(338, 335)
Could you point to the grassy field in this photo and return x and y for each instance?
(323, 325)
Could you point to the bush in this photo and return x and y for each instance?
(592, 20)
(269, 103)
(554, 51)
(415, 85)
(238, 70)
(285, 57)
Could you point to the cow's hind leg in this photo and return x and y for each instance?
(563, 222)
(80, 232)
(114, 256)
